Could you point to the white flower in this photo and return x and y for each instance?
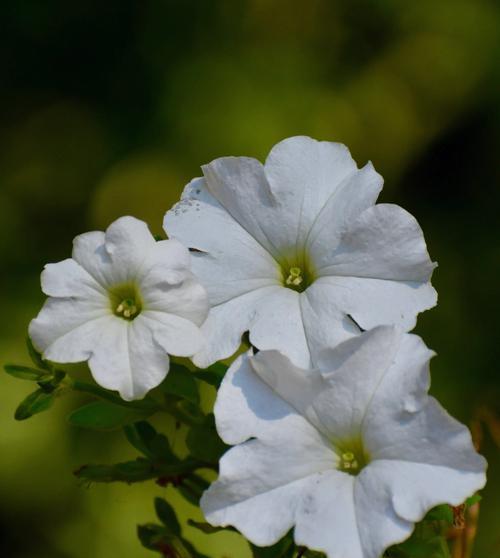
(296, 252)
(122, 302)
(351, 456)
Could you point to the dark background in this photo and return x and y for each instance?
(109, 108)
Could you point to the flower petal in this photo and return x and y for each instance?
(175, 334)
(68, 279)
(357, 192)
(385, 242)
(303, 174)
(261, 484)
(227, 268)
(129, 243)
(126, 358)
(360, 302)
(66, 328)
(187, 299)
(90, 253)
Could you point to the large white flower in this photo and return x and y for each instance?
(296, 252)
(122, 302)
(351, 456)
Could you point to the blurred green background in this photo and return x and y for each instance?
(109, 108)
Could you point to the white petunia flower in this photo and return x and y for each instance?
(352, 456)
(296, 252)
(122, 302)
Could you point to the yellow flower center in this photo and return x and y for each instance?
(126, 301)
(352, 457)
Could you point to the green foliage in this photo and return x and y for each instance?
(212, 375)
(192, 487)
(285, 548)
(36, 402)
(203, 441)
(27, 373)
(36, 357)
(166, 538)
(207, 528)
(101, 415)
(180, 382)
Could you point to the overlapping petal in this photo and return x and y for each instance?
(307, 206)
(372, 390)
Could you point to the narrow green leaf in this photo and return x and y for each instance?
(35, 403)
(181, 383)
(140, 434)
(27, 373)
(207, 528)
(137, 470)
(101, 415)
(204, 443)
(36, 357)
(212, 375)
(166, 515)
(192, 487)
(146, 404)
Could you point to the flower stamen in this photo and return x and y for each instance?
(295, 277)
(127, 309)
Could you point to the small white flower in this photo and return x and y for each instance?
(296, 252)
(351, 456)
(122, 302)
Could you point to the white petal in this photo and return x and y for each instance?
(169, 263)
(126, 358)
(261, 484)
(187, 299)
(240, 186)
(246, 406)
(272, 315)
(415, 488)
(176, 335)
(231, 261)
(357, 192)
(69, 279)
(379, 526)
(277, 324)
(385, 242)
(303, 174)
(90, 253)
(66, 328)
(225, 325)
(336, 400)
(326, 519)
(362, 302)
(129, 243)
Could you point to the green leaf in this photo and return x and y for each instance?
(181, 383)
(167, 516)
(27, 373)
(207, 528)
(284, 548)
(140, 435)
(146, 404)
(440, 513)
(212, 375)
(314, 554)
(157, 538)
(192, 487)
(35, 403)
(204, 443)
(434, 547)
(101, 415)
(36, 357)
